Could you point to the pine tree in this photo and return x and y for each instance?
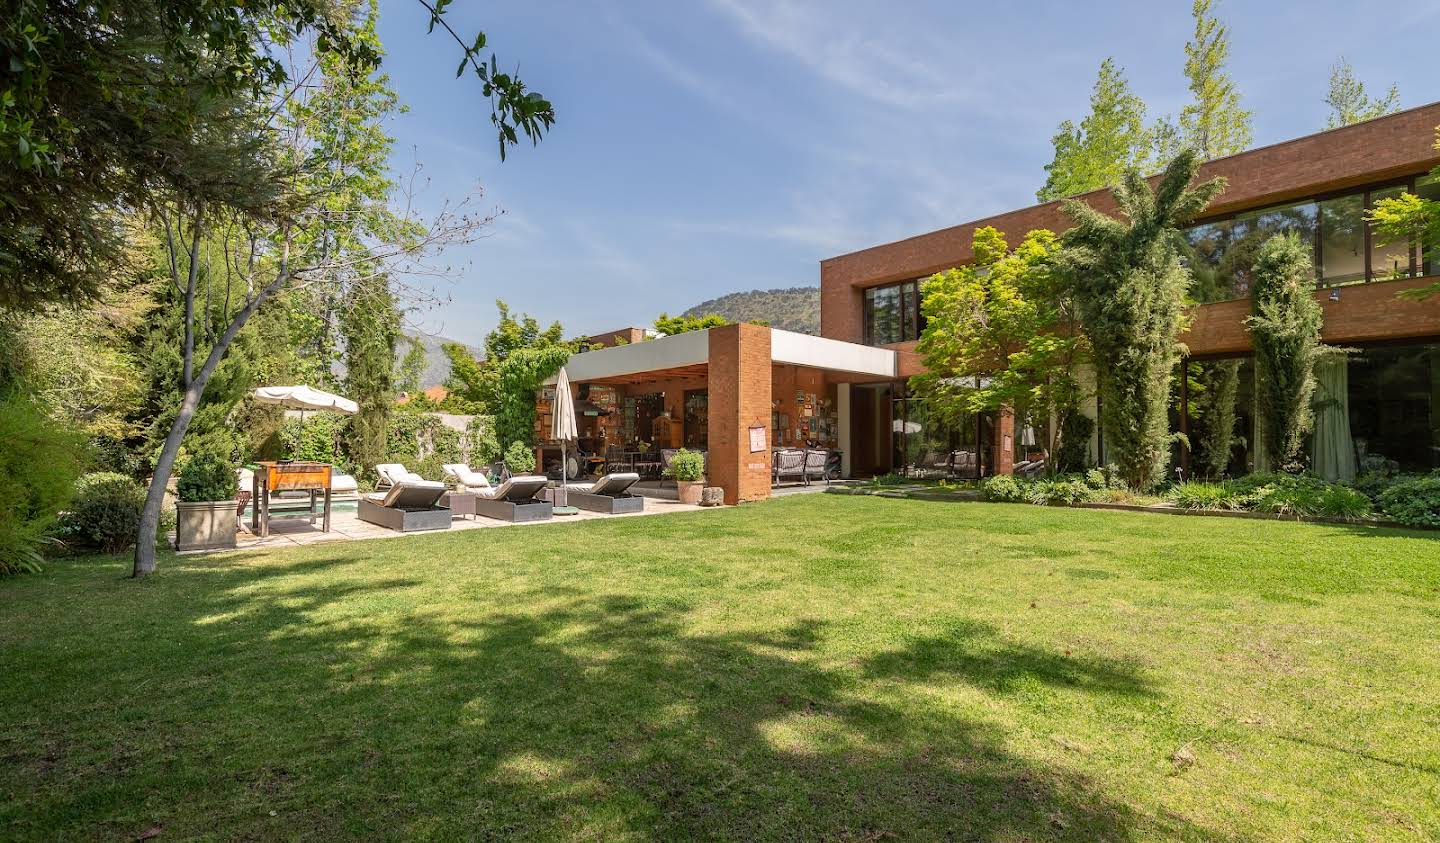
(1109, 141)
(1348, 101)
(1213, 124)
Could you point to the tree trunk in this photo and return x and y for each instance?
(155, 498)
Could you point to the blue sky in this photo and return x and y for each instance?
(710, 146)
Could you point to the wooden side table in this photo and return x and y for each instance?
(460, 503)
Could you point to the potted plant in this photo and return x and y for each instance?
(689, 470)
(206, 515)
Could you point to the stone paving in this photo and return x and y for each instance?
(345, 525)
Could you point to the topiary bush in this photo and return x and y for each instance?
(1414, 502)
(688, 465)
(206, 477)
(104, 513)
(519, 458)
(39, 461)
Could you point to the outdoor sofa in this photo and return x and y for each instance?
(610, 494)
(407, 506)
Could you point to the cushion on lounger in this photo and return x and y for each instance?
(613, 485)
(412, 494)
(517, 489)
(465, 476)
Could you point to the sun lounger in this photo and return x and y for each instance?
(610, 494)
(466, 479)
(391, 473)
(514, 500)
(407, 506)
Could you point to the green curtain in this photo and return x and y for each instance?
(1334, 450)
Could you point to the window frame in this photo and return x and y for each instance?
(912, 315)
(1365, 191)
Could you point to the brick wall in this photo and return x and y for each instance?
(740, 391)
(1390, 147)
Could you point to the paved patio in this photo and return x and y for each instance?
(345, 525)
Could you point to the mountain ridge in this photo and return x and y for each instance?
(786, 308)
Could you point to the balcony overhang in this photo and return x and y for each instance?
(688, 355)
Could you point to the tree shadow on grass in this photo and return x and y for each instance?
(590, 716)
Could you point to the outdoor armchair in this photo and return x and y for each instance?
(787, 462)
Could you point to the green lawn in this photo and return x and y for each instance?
(815, 667)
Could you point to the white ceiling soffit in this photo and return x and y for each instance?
(686, 349)
(836, 355)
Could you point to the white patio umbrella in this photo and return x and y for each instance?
(1027, 436)
(304, 399)
(562, 429)
(900, 426)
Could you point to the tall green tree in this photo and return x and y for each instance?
(1284, 327)
(311, 208)
(410, 369)
(1348, 101)
(1000, 334)
(478, 381)
(1129, 287)
(108, 106)
(370, 322)
(1111, 140)
(1213, 123)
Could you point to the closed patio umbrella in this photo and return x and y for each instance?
(562, 429)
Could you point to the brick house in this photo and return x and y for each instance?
(741, 390)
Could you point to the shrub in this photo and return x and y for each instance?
(1414, 502)
(206, 478)
(1302, 494)
(1059, 492)
(1374, 483)
(105, 512)
(1339, 501)
(519, 458)
(316, 439)
(39, 461)
(484, 443)
(1196, 494)
(1003, 488)
(688, 465)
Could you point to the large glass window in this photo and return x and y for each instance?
(1428, 187)
(892, 313)
(1342, 240)
(1222, 254)
(1393, 398)
(1392, 260)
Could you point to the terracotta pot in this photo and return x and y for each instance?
(690, 491)
(205, 525)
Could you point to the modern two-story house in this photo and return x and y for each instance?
(741, 390)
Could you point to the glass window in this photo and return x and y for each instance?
(1222, 254)
(1342, 240)
(1391, 260)
(892, 313)
(697, 419)
(1393, 398)
(1428, 187)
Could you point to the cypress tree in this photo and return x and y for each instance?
(1285, 329)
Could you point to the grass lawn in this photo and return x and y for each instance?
(815, 667)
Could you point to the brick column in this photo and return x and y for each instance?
(1005, 442)
(739, 400)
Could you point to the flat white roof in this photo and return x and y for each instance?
(693, 348)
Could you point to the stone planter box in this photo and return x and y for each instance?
(689, 491)
(205, 525)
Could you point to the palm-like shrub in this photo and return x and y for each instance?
(1129, 286)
